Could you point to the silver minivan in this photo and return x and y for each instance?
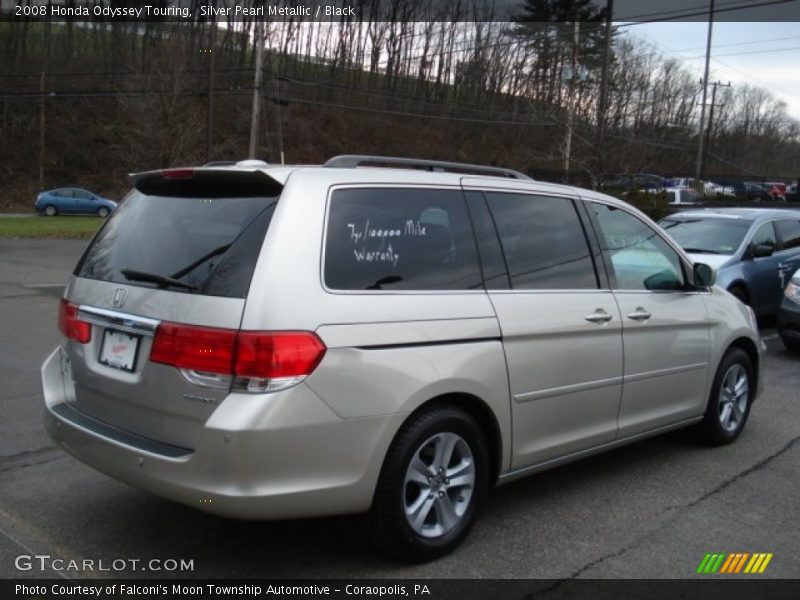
(382, 335)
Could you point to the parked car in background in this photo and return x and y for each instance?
(715, 189)
(754, 251)
(281, 342)
(636, 181)
(73, 201)
(746, 190)
(789, 314)
(683, 196)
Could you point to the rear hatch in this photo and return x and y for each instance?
(180, 250)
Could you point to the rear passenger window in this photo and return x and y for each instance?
(400, 239)
(543, 241)
(789, 232)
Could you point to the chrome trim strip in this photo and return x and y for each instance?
(567, 389)
(117, 320)
(662, 372)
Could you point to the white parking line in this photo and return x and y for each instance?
(42, 285)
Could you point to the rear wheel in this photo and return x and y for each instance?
(731, 397)
(50, 210)
(432, 482)
(102, 212)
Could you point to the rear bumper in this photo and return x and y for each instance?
(273, 456)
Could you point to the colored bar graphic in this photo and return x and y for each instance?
(764, 564)
(703, 563)
(741, 562)
(718, 563)
(724, 563)
(731, 560)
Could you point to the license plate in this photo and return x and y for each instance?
(119, 350)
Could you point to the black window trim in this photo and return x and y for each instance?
(383, 185)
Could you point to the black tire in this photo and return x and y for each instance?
(389, 525)
(740, 294)
(103, 212)
(50, 210)
(711, 429)
(792, 345)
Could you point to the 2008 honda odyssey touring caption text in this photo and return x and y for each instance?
(269, 342)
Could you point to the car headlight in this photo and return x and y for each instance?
(793, 291)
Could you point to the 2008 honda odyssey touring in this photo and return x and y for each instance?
(270, 342)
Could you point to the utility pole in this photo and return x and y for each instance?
(41, 132)
(570, 103)
(602, 105)
(278, 100)
(259, 43)
(699, 166)
(715, 85)
(211, 73)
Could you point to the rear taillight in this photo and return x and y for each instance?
(197, 348)
(277, 354)
(255, 361)
(69, 324)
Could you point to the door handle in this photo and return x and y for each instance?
(639, 314)
(599, 316)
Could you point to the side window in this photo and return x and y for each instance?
(400, 239)
(543, 241)
(789, 232)
(64, 194)
(764, 236)
(641, 259)
(83, 195)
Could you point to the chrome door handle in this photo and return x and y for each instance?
(639, 314)
(599, 316)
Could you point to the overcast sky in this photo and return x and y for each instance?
(763, 65)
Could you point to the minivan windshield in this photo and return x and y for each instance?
(191, 245)
(705, 235)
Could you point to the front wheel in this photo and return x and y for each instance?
(50, 210)
(731, 397)
(433, 480)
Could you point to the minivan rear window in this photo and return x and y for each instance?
(196, 245)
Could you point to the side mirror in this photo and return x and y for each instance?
(761, 250)
(703, 275)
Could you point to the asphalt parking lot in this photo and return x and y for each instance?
(650, 510)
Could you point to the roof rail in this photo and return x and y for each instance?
(220, 163)
(346, 161)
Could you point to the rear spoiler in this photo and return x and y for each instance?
(201, 182)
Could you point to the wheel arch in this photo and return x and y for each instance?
(740, 283)
(483, 415)
(749, 347)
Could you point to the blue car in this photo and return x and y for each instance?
(754, 251)
(73, 201)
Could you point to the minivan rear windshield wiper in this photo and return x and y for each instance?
(700, 251)
(154, 278)
(215, 252)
